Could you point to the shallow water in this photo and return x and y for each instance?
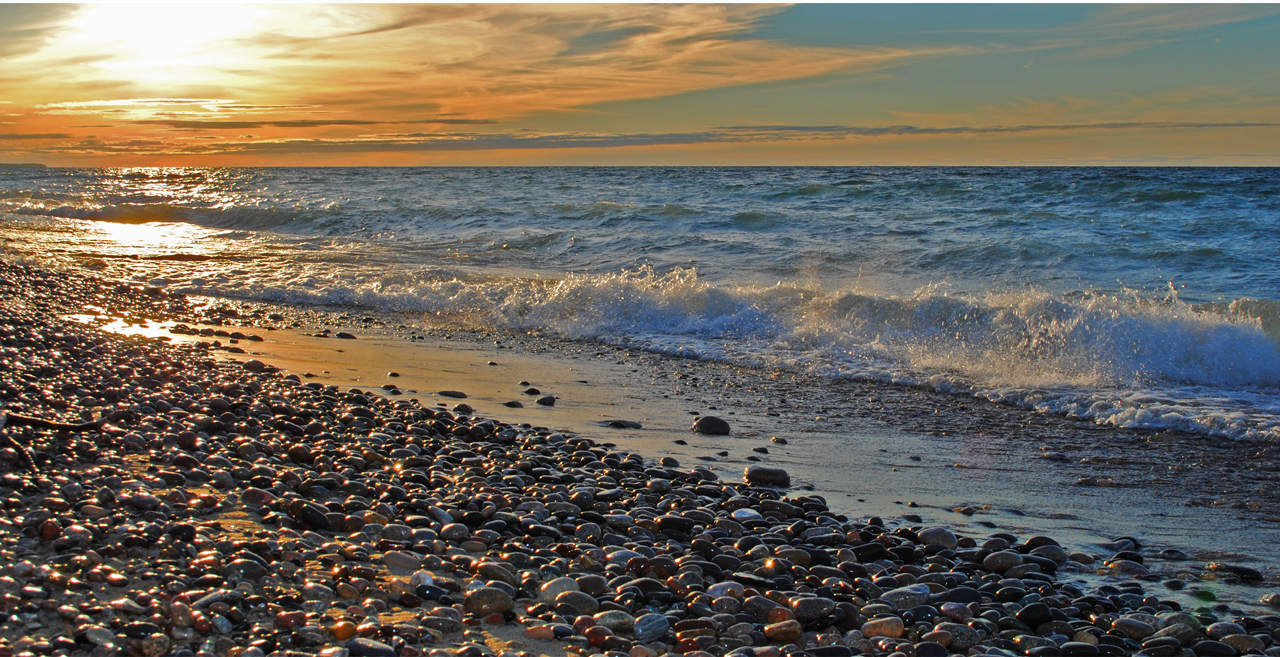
(1139, 298)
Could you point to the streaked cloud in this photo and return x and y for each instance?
(16, 136)
(219, 83)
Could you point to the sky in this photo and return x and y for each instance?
(190, 84)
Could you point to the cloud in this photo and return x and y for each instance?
(491, 62)
(299, 123)
(137, 102)
(526, 140)
(51, 135)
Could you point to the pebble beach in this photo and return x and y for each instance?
(223, 507)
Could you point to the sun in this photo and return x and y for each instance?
(163, 43)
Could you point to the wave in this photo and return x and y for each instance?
(237, 217)
(1155, 363)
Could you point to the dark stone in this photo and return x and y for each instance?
(962, 594)
(759, 475)
(711, 425)
(1034, 614)
(361, 647)
(1213, 649)
(931, 649)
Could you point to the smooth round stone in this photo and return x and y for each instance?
(907, 597)
(726, 605)
(931, 649)
(398, 533)
(244, 569)
(1079, 649)
(181, 614)
(746, 515)
(621, 557)
(726, 589)
(1132, 628)
(998, 562)
(940, 536)
(362, 647)
(890, 626)
(1052, 552)
(313, 515)
(811, 609)
(1213, 649)
(585, 604)
(454, 531)
(442, 624)
(759, 475)
(963, 637)
(342, 630)
(256, 496)
(421, 578)
(494, 571)
(1222, 629)
(1126, 568)
(1035, 614)
(592, 584)
(1185, 634)
(403, 560)
(1244, 642)
(617, 621)
(588, 531)
(317, 591)
(711, 426)
(956, 611)
(287, 620)
(1029, 642)
(784, 632)
(488, 600)
(651, 627)
(555, 587)
(156, 645)
(100, 635)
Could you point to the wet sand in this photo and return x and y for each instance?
(870, 450)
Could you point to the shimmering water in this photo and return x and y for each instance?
(1138, 297)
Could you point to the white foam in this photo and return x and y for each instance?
(1128, 362)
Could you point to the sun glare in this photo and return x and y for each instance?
(161, 42)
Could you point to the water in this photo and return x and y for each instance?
(1135, 297)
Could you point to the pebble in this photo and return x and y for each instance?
(711, 425)
(320, 501)
(402, 560)
(488, 600)
(362, 647)
(759, 475)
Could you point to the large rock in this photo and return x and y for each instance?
(488, 600)
(759, 475)
(940, 536)
(711, 425)
(361, 647)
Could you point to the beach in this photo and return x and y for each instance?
(270, 507)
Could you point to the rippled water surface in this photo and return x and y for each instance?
(1137, 297)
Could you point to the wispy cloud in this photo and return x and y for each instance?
(50, 135)
(299, 123)
(523, 140)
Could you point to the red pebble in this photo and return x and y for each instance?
(582, 623)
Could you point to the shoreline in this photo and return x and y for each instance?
(625, 460)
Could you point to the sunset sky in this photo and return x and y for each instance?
(306, 84)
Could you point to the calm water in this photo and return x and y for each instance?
(1136, 297)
